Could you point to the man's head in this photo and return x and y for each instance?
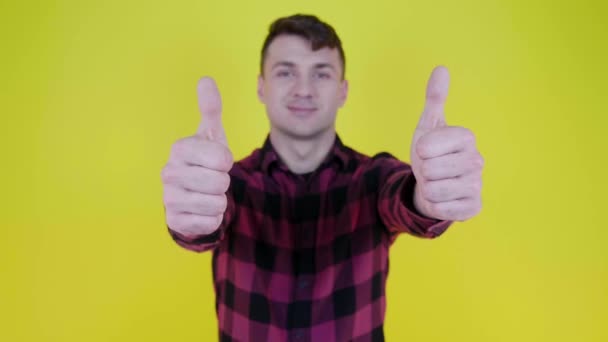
(319, 34)
(301, 78)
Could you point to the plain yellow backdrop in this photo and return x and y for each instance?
(93, 94)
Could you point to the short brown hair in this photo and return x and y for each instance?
(309, 27)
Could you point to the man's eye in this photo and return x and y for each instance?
(284, 73)
(323, 75)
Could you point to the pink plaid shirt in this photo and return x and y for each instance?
(305, 257)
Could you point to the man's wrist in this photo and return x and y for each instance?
(419, 203)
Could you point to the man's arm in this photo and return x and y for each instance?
(443, 183)
(198, 204)
(396, 201)
(445, 160)
(205, 242)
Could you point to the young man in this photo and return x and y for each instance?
(300, 229)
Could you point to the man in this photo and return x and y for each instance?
(300, 229)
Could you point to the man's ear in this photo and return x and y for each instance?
(261, 88)
(343, 92)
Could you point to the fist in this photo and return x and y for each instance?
(445, 160)
(195, 179)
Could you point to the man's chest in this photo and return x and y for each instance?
(309, 214)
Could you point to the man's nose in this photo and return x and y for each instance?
(303, 87)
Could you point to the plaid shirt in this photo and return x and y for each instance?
(305, 258)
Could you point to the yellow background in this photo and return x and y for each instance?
(93, 94)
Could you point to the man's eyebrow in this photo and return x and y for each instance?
(283, 63)
(292, 65)
(325, 65)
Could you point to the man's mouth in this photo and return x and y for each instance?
(301, 109)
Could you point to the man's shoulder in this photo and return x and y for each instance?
(365, 159)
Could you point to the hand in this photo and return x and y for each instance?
(445, 160)
(195, 179)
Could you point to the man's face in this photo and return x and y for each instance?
(302, 89)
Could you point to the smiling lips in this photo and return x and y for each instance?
(301, 109)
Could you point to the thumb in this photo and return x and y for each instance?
(433, 115)
(210, 106)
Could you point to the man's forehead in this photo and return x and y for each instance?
(295, 49)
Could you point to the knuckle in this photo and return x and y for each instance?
(213, 224)
(174, 222)
(220, 219)
(166, 174)
(478, 206)
(225, 159)
(437, 192)
(470, 211)
(228, 157)
(450, 212)
(476, 185)
(436, 209)
(176, 201)
(166, 197)
(478, 161)
(223, 183)
(445, 211)
(427, 170)
(217, 155)
(431, 192)
(178, 149)
(223, 204)
(173, 153)
(198, 224)
(463, 216)
(423, 148)
(216, 205)
(468, 135)
(171, 203)
(163, 174)
(206, 224)
(476, 210)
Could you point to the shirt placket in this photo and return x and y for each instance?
(305, 258)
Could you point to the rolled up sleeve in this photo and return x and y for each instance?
(206, 242)
(396, 201)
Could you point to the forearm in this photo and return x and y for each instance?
(198, 243)
(398, 210)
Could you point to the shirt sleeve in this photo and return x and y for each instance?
(206, 242)
(396, 200)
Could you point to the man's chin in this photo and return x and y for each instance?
(303, 133)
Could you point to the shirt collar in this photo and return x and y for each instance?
(270, 158)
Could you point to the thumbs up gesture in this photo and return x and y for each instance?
(195, 179)
(445, 160)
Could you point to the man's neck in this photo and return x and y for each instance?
(302, 156)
